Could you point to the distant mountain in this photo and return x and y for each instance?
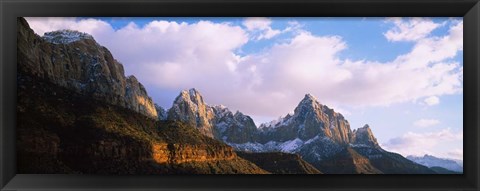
(280, 163)
(432, 161)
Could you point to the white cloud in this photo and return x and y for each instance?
(432, 100)
(170, 56)
(455, 154)
(419, 144)
(95, 27)
(411, 30)
(260, 28)
(426, 122)
(257, 23)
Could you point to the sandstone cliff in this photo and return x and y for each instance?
(310, 119)
(214, 121)
(190, 108)
(364, 136)
(76, 61)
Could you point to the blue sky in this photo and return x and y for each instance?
(402, 76)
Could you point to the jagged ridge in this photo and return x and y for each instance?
(316, 132)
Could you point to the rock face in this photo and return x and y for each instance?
(176, 153)
(190, 108)
(214, 121)
(233, 128)
(76, 61)
(161, 112)
(310, 119)
(364, 136)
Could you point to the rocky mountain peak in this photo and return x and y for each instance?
(364, 137)
(193, 92)
(190, 108)
(309, 97)
(238, 114)
(308, 104)
(66, 36)
(192, 95)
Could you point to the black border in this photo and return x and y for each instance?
(469, 9)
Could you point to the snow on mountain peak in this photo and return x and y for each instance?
(431, 161)
(65, 36)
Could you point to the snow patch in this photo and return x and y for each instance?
(65, 36)
(291, 146)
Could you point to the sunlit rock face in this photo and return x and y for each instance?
(214, 121)
(179, 153)
(74, 60)
(364, 136)
(310, 119)
(190, 108)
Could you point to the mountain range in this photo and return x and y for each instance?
(321, 136)
(432, 161)
(78, 113)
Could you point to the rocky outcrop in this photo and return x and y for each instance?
(310, 119)
(190, 108)
(234, 128)
(364, 136)
(214, 121)
(178, 153)
(76, 61)
(161, 112)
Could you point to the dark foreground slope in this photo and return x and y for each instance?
(441, 170)
(280, 163)
(348, 161)
(60, 131)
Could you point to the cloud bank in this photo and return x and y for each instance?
(426, 143)
(168, 56)
(426, 122)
